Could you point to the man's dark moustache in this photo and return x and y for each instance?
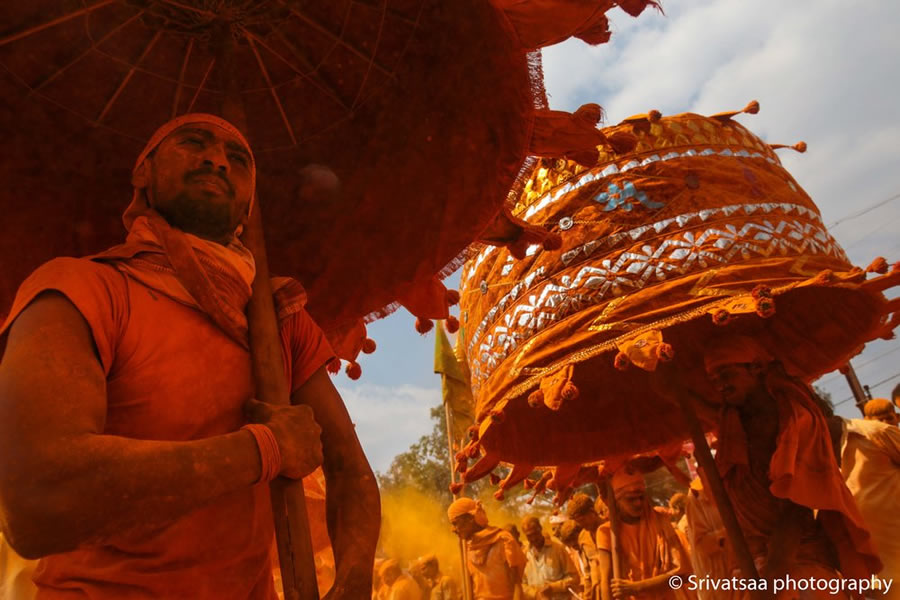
(191, 174)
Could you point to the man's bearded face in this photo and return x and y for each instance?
(632, 504)
(734, 382)
(535, 536)
(201, 180)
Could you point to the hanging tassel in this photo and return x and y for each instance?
(535, 398)
(799, 147)
(636, 7)
(654, 116)
(354, 371)
(621, 362)
(665, 352)
(368, 346)
(485, 465)
(751, 109)
(473, 451)
(879, 265)
(497, 416)
(765, 307)
(451, 324)
(462, 464)
(721, 317)
(423, 326)
(761, 291)
(452, 297)
(333, 366)
(825, 277)
(621, 142)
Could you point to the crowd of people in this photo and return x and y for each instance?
(819, 532)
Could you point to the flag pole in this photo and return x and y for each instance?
(448, 421)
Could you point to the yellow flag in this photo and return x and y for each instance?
(455, 385)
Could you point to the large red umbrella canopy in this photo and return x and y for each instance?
(424, 110)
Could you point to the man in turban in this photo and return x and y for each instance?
(400, 586)
(126, 458)
(881, 409)
(870, 463)
(649, 549)
(582, 510)
(496, 561)
(550, 572)
(778, 464)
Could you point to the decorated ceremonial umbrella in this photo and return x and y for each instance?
(697, 231)
(388, 132)
(373, 122)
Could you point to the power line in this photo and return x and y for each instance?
(863, 211)
(871, 387)
(860, 366)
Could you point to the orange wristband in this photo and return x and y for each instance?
(269, 453)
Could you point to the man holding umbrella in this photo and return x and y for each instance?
(126, 457)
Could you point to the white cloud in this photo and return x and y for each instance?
(824, 71)
(389, 419)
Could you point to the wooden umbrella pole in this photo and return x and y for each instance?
(717, 490)
(467, 588)
(292, 534)
(613, 530)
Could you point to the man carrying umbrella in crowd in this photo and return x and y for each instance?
(550, 572)
(778, 465)
(648, 547)
(496, 561)
(127, 460)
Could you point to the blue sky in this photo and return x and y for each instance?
(824, 71)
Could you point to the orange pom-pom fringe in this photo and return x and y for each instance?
(333, 366)
(354, 371)
(621, 142)
(879, 265)
(423, 326)
(472, 451)
(761, 291)
(497, 416)
(535, 398)
(368, 346)
(473, 433)
(752, 108)
(569, 391)
(654, 115)
(452, 297)
(462, 465)
(456, 488)
(665, 352)
(622, 362)
(721, 317)
(451, 323)
(765, 307)
(498, 495)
